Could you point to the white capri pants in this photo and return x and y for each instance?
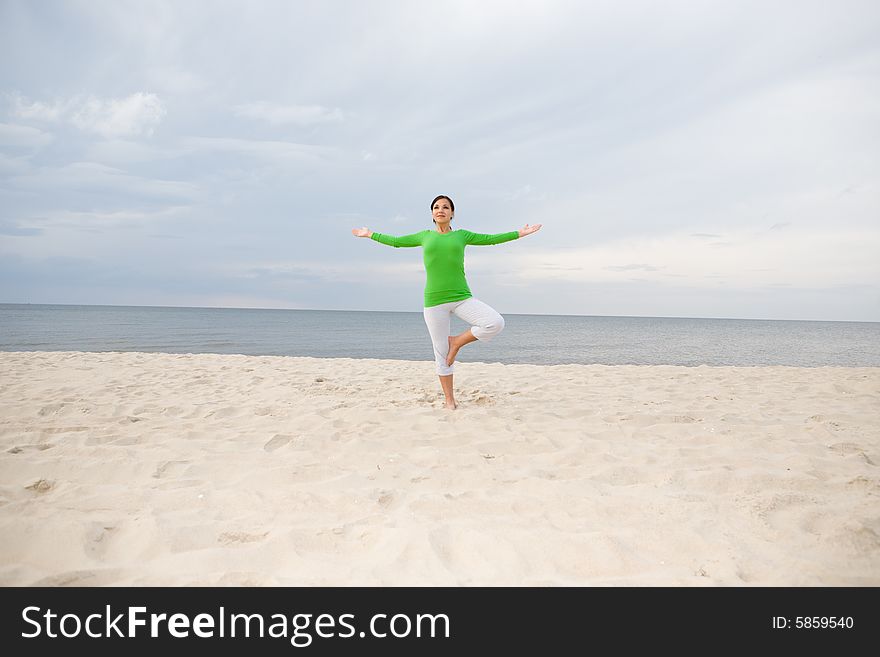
(485, 323)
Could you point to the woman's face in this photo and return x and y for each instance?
(442, 210)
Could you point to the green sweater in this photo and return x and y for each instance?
(444, 259)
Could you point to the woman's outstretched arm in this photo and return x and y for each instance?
(404, 240)
(487, 239)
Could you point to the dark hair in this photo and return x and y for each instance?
(451, 204)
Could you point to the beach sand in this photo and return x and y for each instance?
(161, 469)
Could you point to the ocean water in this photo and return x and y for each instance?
(536, 339)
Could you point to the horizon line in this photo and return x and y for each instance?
(759, 319)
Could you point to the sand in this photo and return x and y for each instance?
(160, 469)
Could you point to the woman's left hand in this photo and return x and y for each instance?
(528, 230)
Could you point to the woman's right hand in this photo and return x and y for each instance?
(362, 232)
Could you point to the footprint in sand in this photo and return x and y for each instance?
(865, 483)
(41, 486)
(51, 409)
(99, 537)
(785, 510)
(277, 442)
(846, 449)
(223, 413)
(81, 578)
(857, 536)
(17, 449)
(442, 544)
(52, 430)
(232, 538)
(170, 469)
(823, 420)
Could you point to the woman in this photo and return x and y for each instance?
(446, 289)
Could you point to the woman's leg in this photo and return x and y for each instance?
(485, 322)
(438, 319)
(446, 384)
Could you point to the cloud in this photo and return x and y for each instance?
(282, 114)
(632, 268)
(90, 176)
(351, 271)
(20, 136)
(265, 149)
(122, 151)
(526, 193)
(175, 81)
(37, 111)
(15, 228)
(10, 166)
(806, 258)
(135, 114)
(93, 220)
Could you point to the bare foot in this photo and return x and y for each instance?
(453, 351)
(451, 405)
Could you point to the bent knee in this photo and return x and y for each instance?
(495, 326)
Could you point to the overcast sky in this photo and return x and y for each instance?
(687, 159)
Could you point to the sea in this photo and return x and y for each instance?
(535, 339)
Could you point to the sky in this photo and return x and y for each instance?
(686, 159)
